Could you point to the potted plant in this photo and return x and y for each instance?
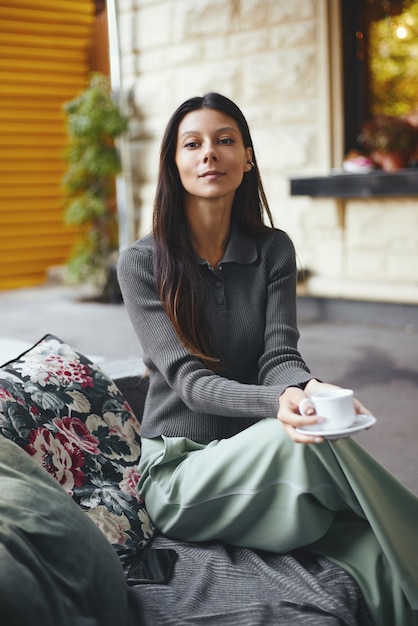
(94, 120)
(389, 140)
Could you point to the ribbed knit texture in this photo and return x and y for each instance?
(219, 585)
(250, 307)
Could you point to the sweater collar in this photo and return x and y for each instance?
(241, 248)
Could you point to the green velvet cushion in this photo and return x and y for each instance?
(56, 567)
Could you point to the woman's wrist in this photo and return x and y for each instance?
(303, 386)
(311, 386)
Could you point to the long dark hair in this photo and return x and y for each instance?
(179, 281)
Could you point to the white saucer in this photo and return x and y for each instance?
(360, 423)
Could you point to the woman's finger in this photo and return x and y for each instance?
(298, 437)
(360, 408)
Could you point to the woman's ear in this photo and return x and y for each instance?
(248, 160)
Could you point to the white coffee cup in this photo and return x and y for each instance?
(335, 406)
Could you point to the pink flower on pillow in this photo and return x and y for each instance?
(76, 432)
(58, 369)
(5, 395)
(58, 456)
(66, 371)
(34, 411)
(129, 483)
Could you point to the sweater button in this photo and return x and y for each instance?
(218, 284)
(219, 300)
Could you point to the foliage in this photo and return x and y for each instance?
(94, 120)
(386, 133)
(393, 48)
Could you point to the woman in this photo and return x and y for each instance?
(211, 295)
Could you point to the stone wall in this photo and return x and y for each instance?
(363, 249)
(272, 58)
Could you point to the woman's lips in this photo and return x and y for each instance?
(212, 174)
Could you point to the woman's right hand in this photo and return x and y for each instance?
(291, 417)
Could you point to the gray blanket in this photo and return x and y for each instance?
(217, 584)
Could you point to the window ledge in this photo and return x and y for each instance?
(367, 185)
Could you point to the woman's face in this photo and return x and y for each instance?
(210, 155)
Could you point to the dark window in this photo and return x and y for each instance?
(380, 61)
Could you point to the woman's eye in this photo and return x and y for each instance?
(226, 140)
(191, 144)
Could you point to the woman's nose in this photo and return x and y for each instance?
(210, 154)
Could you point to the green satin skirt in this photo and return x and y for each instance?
(260, 490)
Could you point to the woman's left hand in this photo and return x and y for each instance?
(291, 417)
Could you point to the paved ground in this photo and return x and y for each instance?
(380, 362)
(381, 365)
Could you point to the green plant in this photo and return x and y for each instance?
(94, 120)
(391, 57)
(386, 133)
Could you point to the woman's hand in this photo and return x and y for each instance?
(291, 417)
(314, 386)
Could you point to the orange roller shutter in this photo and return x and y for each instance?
(45, 52)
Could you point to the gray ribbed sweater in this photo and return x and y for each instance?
(250, 306)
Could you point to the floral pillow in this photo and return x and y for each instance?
(66, 413)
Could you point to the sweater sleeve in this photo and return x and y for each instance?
(281, 362)
(199, 388)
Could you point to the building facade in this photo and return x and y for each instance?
(281, 62)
